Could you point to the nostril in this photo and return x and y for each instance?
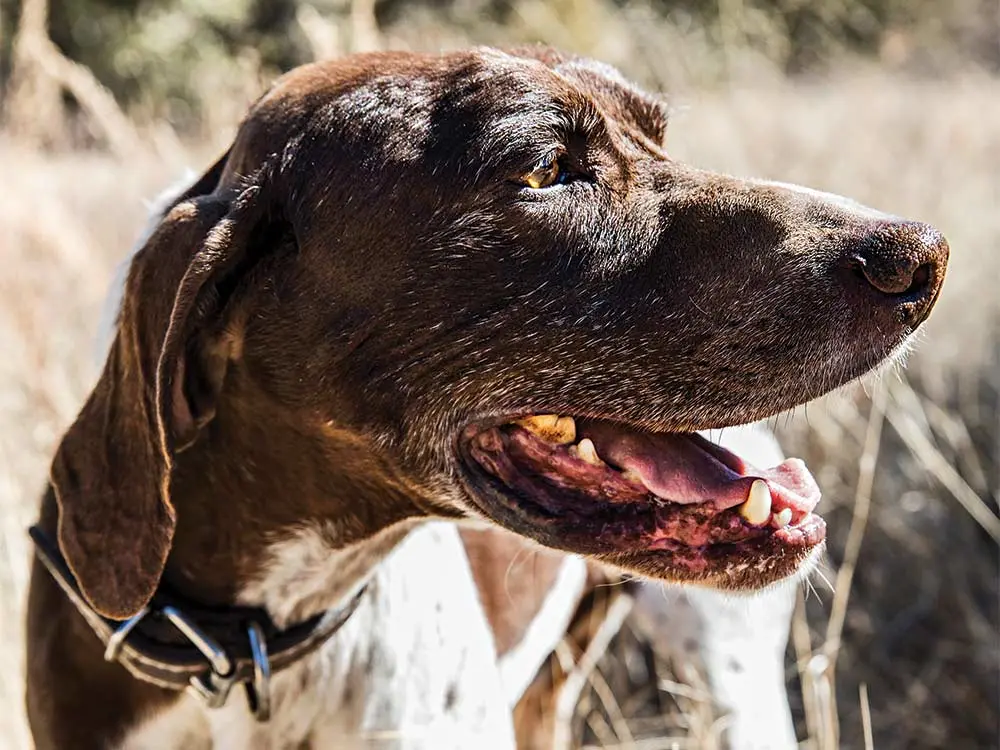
(900, 266)
(903, 260)
(895, 279)
(921, 280)
(897, 282)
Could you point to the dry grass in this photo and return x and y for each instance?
(919, 624)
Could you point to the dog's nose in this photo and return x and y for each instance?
(903, 264)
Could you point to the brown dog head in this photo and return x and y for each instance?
(422, 258)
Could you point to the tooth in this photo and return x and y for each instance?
(565, 430)
(757, 508)
(550, 427)
(585, 451)
(539, 423)
(782, 519)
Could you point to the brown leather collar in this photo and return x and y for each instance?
(180, 645)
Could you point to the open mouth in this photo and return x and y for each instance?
(669, 504)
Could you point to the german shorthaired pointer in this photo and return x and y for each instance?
(419, 290)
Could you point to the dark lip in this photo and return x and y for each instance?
(523, 517)
(673, 565)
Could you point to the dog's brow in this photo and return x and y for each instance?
(519, 133)
(649, 112)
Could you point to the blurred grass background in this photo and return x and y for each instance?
(893, 102)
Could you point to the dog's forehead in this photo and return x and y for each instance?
(487, 94)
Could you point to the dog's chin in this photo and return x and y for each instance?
(666, 505)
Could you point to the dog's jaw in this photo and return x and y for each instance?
(669, 505)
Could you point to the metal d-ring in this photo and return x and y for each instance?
(116, 642)
(212, 687)
(209, 647)
(259, 690)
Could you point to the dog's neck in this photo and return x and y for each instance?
(278, 511)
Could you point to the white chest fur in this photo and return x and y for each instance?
(413, 668)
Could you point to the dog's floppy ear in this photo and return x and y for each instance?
(111, 473)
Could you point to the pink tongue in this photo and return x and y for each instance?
(687, 468)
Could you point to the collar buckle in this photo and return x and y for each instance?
(201, 665)
(213, 686)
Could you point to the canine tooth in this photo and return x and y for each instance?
(757, 508)
(586, 451)
(782, 519)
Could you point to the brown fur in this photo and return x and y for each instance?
(307, 332)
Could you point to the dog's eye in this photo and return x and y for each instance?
(546, 173)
